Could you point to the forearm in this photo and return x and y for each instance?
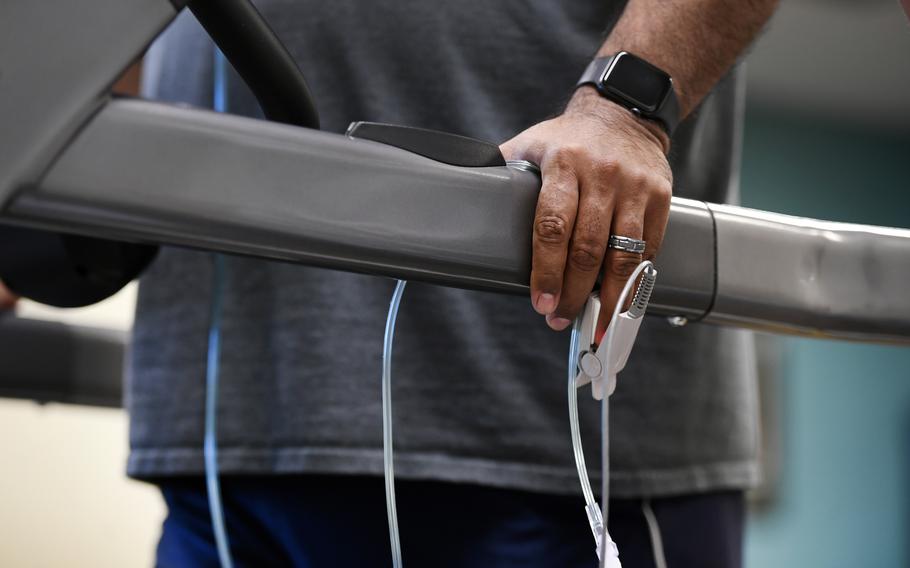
(695, 41)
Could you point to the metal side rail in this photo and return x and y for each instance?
(55, 362)
(788, 274)
(150, 172)
(72, 160)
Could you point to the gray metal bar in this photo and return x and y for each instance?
(58, 59)
(795, 275)
(54, 362)
(197, 178)
(160, 174)
(154, 172)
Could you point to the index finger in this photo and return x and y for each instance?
(553, 222)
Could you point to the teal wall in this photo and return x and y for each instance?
(843, 498)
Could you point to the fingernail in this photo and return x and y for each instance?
(545, 304)
(557, 323)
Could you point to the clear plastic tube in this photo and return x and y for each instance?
(210, 442)
(604, 513)
(597, 516)
(387, 453)
(591, 507)
(577, 447)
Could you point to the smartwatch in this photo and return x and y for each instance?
(632, 82)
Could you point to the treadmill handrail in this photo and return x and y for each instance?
(240, 185)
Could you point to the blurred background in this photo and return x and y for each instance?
(827, 136)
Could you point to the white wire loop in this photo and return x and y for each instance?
(597, 516)
(387, 455)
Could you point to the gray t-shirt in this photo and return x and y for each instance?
(479, 380)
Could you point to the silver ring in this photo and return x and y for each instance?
(627, 244)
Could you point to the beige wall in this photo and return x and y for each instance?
(64, 498)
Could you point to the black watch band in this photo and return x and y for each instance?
(634, 83)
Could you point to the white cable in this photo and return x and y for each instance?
(597, 517)
(387, 455)
(657, 543)
(605, 482)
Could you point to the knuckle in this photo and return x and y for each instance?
(606, 169)
(640, 179)
(664, 191)
(551, 228)
(586, 256)
(623, 265)
(568, 154)
(561, 158)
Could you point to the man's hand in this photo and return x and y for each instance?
(604, 172)
(7, 298)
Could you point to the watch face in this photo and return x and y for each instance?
(637, 81)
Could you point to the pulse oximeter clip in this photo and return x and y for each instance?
(599, 365)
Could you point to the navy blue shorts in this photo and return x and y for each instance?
(312, 521)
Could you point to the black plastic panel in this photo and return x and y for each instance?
(440, 146)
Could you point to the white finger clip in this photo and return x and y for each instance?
(599, 364)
